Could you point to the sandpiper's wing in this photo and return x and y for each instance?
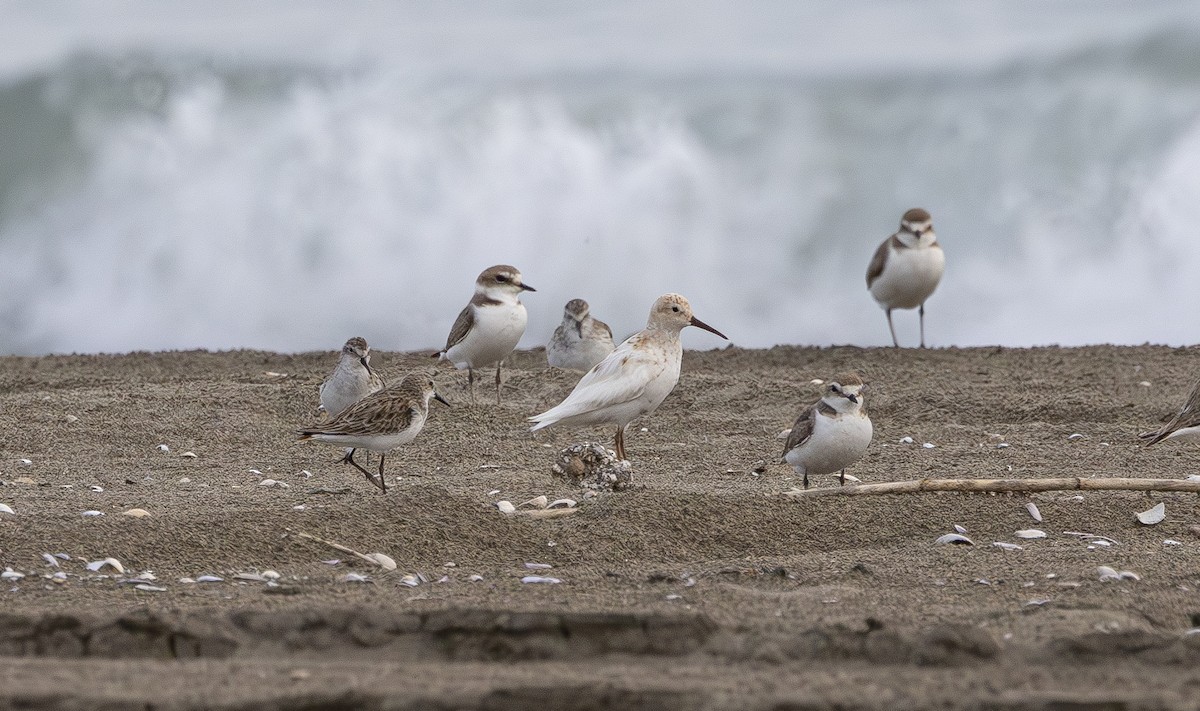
(462, 326)
(875, 268)
(602, 327)
(802, 430)
(379, 413)
(621, 377)
(1189, 416)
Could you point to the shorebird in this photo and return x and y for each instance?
(379, 422)
(634, 379)
(351, 380)
(489, 327)
(580, 341)
(907, 268)
(1184, 426)
(832, 433)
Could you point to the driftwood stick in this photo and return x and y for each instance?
(338, 546)
(917, 486)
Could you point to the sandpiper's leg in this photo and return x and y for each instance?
(471, 383)
(922, 312)
(842, 477)
(498, 382)
(805, 479)
(382, 483)
(349, 459)
(620, 443)
(892, 328)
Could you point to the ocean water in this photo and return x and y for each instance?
(285, 174)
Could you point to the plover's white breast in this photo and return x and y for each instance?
(909, 276)
(836, 443)
(494, 334)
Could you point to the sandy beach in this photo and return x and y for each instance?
(701, 587)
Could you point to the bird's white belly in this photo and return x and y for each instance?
(1186, 434)
(574, 353)
(342, 392)
(493, 336)
(835, 444)
(909, 277)
(379, 442)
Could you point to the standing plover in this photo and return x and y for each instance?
(379, 422)
(489, 327)
(580, 341)
(907, 268)
(634, 379)
(1184, 426)
(832, 433)
(351, 380)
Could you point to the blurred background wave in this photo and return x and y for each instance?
(284, 174)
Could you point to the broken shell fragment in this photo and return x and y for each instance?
(506, 507)
(535, 579)
(382, 560)
(149, 588)
(188, 455)
(1106, 573)
(1030, 533)
(537, 502)
(136, 513)
(562, 503)
(355, 578)
(113, 563)
(538, 566)
(1033, 511)
(955, 538)
(93, 513)
(10, 574)
(1154, 515)
(960, 529)
(5, 508)
(210, 579)
(410, 580)
(1007, 546)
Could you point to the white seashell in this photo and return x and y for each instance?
(1002, 445)
(10, 574)
(449, 564)
(93, 513)
(149, 588)
(271, 575)
(538, 566)
(1154, 515)
(62, 556)
(960, 529)
(97, 489)
(355, 578)
(136, 513)
(410, 580)
(816, 381)
(1144, 383)
(163, 448)
(188, 455)
(50, 559)
(562, 504)
(906, 440)
(1106, 573)
(1171, 542)
(929, 445)
(253, 577)
(1129, 575)
(493, 492)
(383, 561)
(475, 578)
(954, 538)
(1030, 533)
(1033, 511)
(536, 579)
(1007, 546)
(113, 563)
(255, 472)
(853, 479)
(187, 581)
(273, 374)
(26, 462)
(273, 482)
(5, 508)
(332, 561)
(71, 418)
(1037, 602)
(506, 507)
(1074, 436)
(185, 480)
(146, 575)
(537, 502)
(210, 579)
(1100, 542)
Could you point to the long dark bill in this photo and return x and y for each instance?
(441, 399)
(700, 324)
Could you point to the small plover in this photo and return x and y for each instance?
(907, 268)
(580, 341)
(1184, 426)
(489, 327)
(379, 422)
(634, 379)
(832, 433)
(351, 380)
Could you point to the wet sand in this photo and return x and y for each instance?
(702, 587)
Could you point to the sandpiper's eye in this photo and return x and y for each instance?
(501, 278)
(675, 309)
